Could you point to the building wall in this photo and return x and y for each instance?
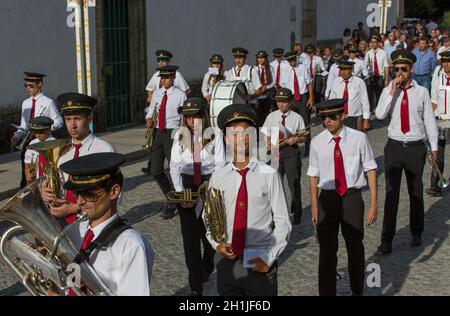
(35, 36)
(194, 32)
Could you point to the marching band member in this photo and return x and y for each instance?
(266, 77)
(195, 156)
(279, 66)
(120, 255)
(77, 111)
(338, 55)
(37, 104)
(412, 120)
(41, 127)
(354, 90)
(302, 57)
(440, 99)
(245, 73)
(211, 79)
(257, 217)
(299, 82)
(359, 69)
(316, 69)
(290, 163)
(166, 102)
(377, 63)
(163, 58)
(340, 158)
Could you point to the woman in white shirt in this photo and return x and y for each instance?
(196, 154)
(213, 76)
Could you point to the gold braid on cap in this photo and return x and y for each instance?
(92, 181)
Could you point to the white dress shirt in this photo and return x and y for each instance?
(304, 79)
(207, 88)
(358, 99)
(332, 76)
(421, 116)
(182, 159)
(382, 60)
(175, 100)
(44, 107)
(268, 221)
(90, 145)
(269, 86)
(440, 92)
(283, 67)
(360, 69)
(441, 50)
(155, 81)
(249, 75)
(294, 123)
(125, 265)
(32, 156)
(356, 152)
(302, 59)
(317, 65)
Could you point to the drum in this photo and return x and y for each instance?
(444, 129)
(224, 94)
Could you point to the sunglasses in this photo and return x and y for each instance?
(89, 195)
(332, 117)
(403, 69)
(30, 85)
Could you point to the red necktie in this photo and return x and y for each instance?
(197, 162)
(240, 217)
(311, 69)
(283, 122)
(70, 197)
(278, 75)
(33, 109)
(375, 64)
(404, 111)
(346, 96)
(263, 76)
(339, 170)
(238, 72)
(297, 95)
(88, 238)
(41, 165)
(162, 113)
(445, 104)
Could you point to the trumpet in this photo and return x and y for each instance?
(442, 183)
(151, 132)
(188, 196)
(301, 133)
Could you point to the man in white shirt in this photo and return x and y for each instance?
(302, 57)
(340, 159)
(338, 55)
(353, 89)
(257, 218)
(286, 124)
(316, 69)
(163, 58)
(267, 78)
(77, 111)
(166, 102)
(36, 105)
(279, 65)
(245, 73)
(359, 69)
(377, 62)
(440, 99)
(120, 255)
(412, 121)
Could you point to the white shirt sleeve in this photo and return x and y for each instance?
(367, 158)
(384, 105)
(28, 156)
(176, 164)
(255, 79)
(151, 109)
(153, 84)
(58, 121)
(430, 121)
(23, 124)
(313, 169)
(219, 151)
(435, 88)
(181, 83)
(205, 86)
(364, 100)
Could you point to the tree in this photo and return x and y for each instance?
(446, 19)
(423, 9)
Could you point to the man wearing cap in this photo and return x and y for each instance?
(298, 80)
(279, 65)
(245, 73)
(77, 111)
(195, 156)
(377, 62)
(36, 105)
(316, 69)
(120, 255)
(267, 78)
(213, 76)
(41, 126)
(163, 58)
(412, 121)
(166, 101)
(338, 55)
(440, 99)
(257, 217)
(359, 69)
(354, 90)
(286, 124)
(340, 160)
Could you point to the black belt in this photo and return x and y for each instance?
(349, 191)
(407, 144)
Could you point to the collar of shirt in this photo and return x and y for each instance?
(40, 95)
(350, 80)
(251, 165)
(97, 230)
(342, 135)
(169, 91)
(87, 142)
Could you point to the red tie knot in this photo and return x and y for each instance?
(87, 239)
(448, 81)
(244, 172)
(346, 81)
(337, 140)
(78, 147)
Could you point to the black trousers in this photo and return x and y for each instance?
(305, 113)
(348, 213)
(441, 162)
(162, 148)
(23, 179)
(291, 165)
(375, 88)
(194, 235)
(412, 160)
(262, 108)
(318, 83)
(352, 122)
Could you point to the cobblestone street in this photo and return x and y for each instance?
(407, 271)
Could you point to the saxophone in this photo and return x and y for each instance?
(151, 132)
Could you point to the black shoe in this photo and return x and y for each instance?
(384, 249)
(416, 241)
(205, 277)
(433, 193)
(169, 212)
(146, 170)
(357, 294)
(196, 293)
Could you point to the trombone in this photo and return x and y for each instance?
(442, 183)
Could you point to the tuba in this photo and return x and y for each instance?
(52, 151)
(51, 259)
(214, 212)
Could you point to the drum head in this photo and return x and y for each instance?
(224, 94)
(444, 124)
